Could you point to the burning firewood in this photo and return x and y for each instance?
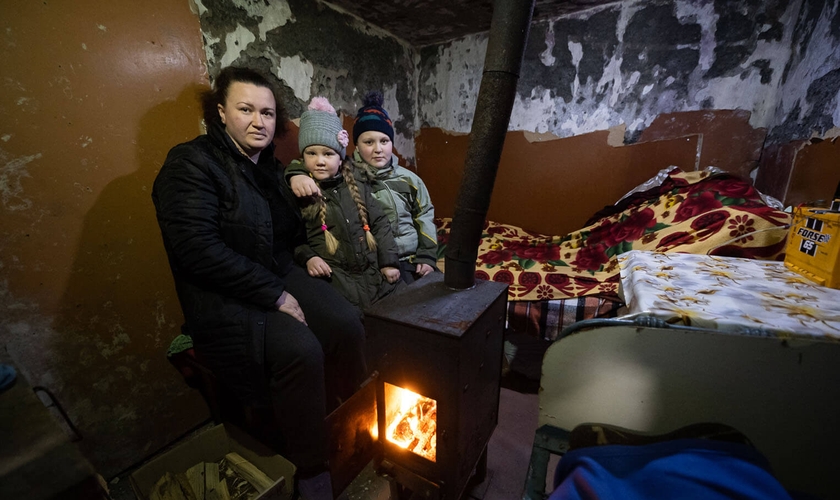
(416, 428)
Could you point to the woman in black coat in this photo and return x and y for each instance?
(271, 333)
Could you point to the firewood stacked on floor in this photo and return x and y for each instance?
(232, 478)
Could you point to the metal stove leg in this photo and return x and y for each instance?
(480, 468)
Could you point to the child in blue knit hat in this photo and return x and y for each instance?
(349, 239)
(401, 193)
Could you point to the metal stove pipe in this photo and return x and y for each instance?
(505, 49)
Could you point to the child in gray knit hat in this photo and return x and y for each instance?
(349, 239)
(400, 192)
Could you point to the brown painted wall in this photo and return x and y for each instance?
(552, 186)
(729, 142)
(94, 95)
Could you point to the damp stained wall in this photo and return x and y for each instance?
(623, 64)
(809, 98)
(808, 107)
(94, 95)
(315, 49)
(628, 63)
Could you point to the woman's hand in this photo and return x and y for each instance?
(286, 303)
(392, 274)
(423, 269)
(318, 268)
(303, 186)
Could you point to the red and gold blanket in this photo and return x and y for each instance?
(690, 212)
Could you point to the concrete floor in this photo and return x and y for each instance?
(509, 450)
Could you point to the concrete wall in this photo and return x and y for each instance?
(809, 98)
(774, 62)
(807, 111)
(624, 63)
(94, 95)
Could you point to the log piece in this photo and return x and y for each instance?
(186, 488)
(213, 488)
(172, 487)
(196, 476)
(249, 472)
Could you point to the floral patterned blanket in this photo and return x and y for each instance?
(690, 212)
(729, 295)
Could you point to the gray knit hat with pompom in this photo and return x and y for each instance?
(320, 125)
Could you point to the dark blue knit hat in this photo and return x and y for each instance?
(372, 116)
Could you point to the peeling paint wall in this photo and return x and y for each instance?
(94, 95)
(624, 64)
(315, 49)
(809, 100)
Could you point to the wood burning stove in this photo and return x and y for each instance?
(438, 354)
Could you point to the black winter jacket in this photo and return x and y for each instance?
(222, 243)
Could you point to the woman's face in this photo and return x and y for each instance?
(375, 148)
(321, 161)
(249, 116)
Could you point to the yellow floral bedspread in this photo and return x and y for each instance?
(729, 294)
(691, 212)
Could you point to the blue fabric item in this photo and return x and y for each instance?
(681, 468)
(7, 377)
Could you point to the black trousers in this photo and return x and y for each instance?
(407, 271)
(311, 368)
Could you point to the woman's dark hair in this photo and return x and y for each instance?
(210, 99)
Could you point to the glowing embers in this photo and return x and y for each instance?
(411, 421)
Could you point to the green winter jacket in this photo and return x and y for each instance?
(405, 199)
(355, 268)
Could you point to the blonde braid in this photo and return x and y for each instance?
(332, 243)
(318, 212)
(360, 204)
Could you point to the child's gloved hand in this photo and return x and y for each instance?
(303, 186)
(318, 268)
(392, 274)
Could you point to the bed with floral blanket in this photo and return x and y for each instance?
(557, 280)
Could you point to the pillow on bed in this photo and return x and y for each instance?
(690, 212)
